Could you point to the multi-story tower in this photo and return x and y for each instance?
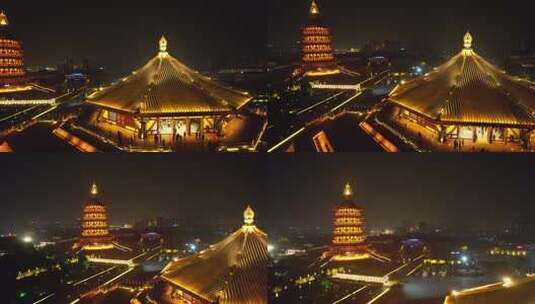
(11, 56)
(349, 237)
(317, 53)
(95, 234)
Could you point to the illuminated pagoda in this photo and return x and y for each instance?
(466, 100)
(231, 271)
(350, 257)
(165, 101)
(11, 56)
(95, 234)
(15, 88)
(317, 53)
(349, 238)
(318, 63)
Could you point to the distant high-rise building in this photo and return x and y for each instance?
(11, 56)
(317, 58)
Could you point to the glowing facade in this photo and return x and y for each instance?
(317, 53)
(165, 101)
(349, 238)
(94, 225)
(231, 271)
(11, 57)
(466, 99)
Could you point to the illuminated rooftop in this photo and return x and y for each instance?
(166, 86)
(231, 271)
(508, 291)
(469, 90)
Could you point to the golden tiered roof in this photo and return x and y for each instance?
(317, 53)
(349, 238)
(165, 86)
(231, 271)
(95, 233)
(469, 90)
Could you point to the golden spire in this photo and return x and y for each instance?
(468, 41)
(248, 216)
(3, 19)
(348, 191)
(163, 44)
(94, 189)
(314, 10)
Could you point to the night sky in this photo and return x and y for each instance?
(123, 34)
(206, 34)
(498, 26)
(472, 190)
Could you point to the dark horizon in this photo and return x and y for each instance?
(205, 35)
(482, 191)
(122, 35)
(498, 28)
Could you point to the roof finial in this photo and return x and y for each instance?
(348, 191)
(248, 216)
(94, 189)
(468, 41)
(163, 44)
(3, 19)
(314, 10)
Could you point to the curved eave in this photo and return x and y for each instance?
(185, 288)
(166, 87)
(110, 108)
(437, 120)
(207, 112)
(410, 109)
(245, 103)
(185, 114)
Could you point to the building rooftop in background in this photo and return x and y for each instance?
(231, 271)
(508, 291)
